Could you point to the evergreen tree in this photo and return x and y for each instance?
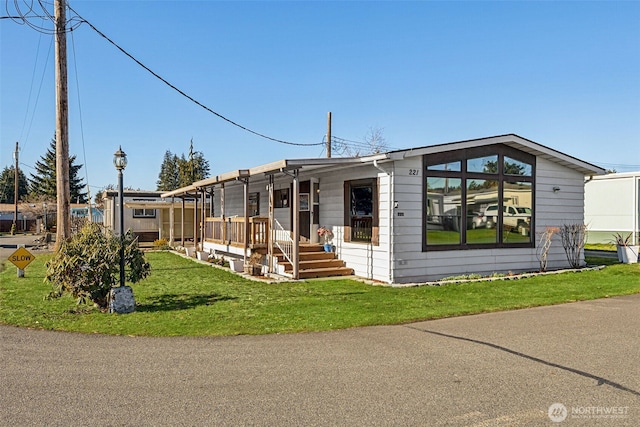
(176, 172)
(7, 185)
(184, 172)
(43, 182)
(194, 169)
(169, 176)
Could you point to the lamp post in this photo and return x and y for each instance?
(44, 206)
(120, 162)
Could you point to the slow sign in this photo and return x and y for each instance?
(21, 258)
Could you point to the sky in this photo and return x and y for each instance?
(563, 74)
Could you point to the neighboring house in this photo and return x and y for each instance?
(28, 217)
(34, 217)
(81, 210)
(148, 215)
(404, 216)
(612, 205)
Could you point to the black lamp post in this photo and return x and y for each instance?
(120, 162)
(44, 205)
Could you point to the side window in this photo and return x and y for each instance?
(361, 211)
(144, 213)
(281, 198)
(254, 204)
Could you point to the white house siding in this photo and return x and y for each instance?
(612, 205)
(367, 260)
(234, 199)
(551, 209)
(564, 207)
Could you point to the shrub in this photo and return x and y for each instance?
(161, 244)
(573, 237)
(87, 266)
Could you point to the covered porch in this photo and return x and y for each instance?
(231, 221)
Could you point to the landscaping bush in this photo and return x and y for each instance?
(88, 265)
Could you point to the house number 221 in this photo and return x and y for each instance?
(414, 172)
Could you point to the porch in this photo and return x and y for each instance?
(233, 235)
(235, 231)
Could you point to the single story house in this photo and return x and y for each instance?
(27, 219)
(148, 215)
(404, 216)
(612, 205)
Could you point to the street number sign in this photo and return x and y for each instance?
(21, 258)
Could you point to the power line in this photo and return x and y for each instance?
(186, 95)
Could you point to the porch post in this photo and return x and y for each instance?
(195, 221)
(271, 225)
(203, 224)
(224, 225)
(182, 222)
(296, 226)
(245, 183)
(172, 216)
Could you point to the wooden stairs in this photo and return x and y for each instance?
(314, 262)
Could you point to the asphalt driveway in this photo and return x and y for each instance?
(498, 369)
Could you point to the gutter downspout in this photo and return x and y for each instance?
(391, 219)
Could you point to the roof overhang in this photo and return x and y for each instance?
(279, 166)
(282, 166)
(514, 141)
(153, 205)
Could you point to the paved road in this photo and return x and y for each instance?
(8, 245)
(499, 369)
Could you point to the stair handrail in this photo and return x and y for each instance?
(283, 241)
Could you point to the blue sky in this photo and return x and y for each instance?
(564, 74)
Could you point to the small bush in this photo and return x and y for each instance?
(161, 244)
(88, 265)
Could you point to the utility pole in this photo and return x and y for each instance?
(329, 135)
(63, 225)
(15, 190)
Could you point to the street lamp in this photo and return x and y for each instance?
(44, 205)
(120, 162)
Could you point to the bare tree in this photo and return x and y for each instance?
(573, 237)
(544, 245)
(374, 143)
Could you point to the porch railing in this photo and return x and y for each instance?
(231, 231)
(283, 241)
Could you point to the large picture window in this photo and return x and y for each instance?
(478, 198)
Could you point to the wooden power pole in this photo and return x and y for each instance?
(329, 135)
(63, 225)
(16, 188)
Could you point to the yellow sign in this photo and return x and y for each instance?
(21, 258)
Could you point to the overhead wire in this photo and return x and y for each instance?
(25, 140)
(101, 34)
(84, 152)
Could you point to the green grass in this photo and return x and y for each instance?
(474, 236)
(601, 247)
(183, 297)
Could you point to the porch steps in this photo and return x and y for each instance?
(315, 262)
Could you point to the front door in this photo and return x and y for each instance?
(305, 214)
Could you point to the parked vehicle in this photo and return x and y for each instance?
(515, 217)
(476, 220)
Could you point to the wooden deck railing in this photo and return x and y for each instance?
(231, 231)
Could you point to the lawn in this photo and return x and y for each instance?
(183, 297)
